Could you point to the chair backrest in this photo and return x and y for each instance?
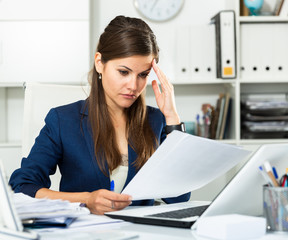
(39, 99)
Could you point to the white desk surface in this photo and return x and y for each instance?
(168, 233)
(141, 232)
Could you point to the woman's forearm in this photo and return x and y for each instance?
(71, 197)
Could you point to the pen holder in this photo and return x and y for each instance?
(190, 127)
(275, 208)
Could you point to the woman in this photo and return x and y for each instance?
(111, 134)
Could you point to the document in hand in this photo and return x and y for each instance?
(183, 163)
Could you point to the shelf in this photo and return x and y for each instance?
(10, 144)
(228, 141)
(11, 84)
(204, 81)
(262, 141)
(264, 80)
(262, 19)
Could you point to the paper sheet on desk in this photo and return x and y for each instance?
(181, 164)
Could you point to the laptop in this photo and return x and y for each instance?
(242, 195)
(10, 223)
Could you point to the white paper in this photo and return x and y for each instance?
(232, 227)
(28, 207)
(181, 164)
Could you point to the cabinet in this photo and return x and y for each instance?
(40, 41)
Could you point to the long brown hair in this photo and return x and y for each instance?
(123, 37)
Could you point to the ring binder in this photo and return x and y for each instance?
(225, 44)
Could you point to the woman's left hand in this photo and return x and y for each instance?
(165, 97)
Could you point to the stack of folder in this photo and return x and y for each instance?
(264, 116)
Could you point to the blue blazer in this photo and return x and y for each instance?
(66, 141)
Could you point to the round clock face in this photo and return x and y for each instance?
(159, 10)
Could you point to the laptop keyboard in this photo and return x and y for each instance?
(182, 213)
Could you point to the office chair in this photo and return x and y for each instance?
(39, 99)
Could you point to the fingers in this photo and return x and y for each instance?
(118, 197)
(110, 205)
(102, 201)
(118, 205)
(115, 200)
(165, 84)
(119, 201)
(156, 88)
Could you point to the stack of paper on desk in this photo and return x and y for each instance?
(28, 207)
(181, 164)
(46, 212)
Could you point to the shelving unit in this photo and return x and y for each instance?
(262, 67)
(11, 100)
(268, 65)
(40, 41)
(263, 49)
(249, 30)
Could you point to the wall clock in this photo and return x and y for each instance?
(159, 10)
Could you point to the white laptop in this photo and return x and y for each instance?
(10, 225)
(242, 195)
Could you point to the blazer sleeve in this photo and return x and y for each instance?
(41, 161)
(182, 198)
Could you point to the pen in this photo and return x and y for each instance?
(270, 174)
(275, 172)
(265, 176)
(286, 181)
(112, 186)
(283, 181)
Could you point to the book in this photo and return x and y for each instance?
(227, 125)
(214, 120)
(221, 111)
(215, 117)
(225, 114)
(279, 7)
(244, 11)
(284, 9)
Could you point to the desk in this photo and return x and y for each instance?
(144, 232)
(158, 233)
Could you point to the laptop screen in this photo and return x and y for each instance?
(8, 216)
(10, 224)
(243, 194)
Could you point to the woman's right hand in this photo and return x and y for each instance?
(103, 200)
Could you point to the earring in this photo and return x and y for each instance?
(100, 76)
